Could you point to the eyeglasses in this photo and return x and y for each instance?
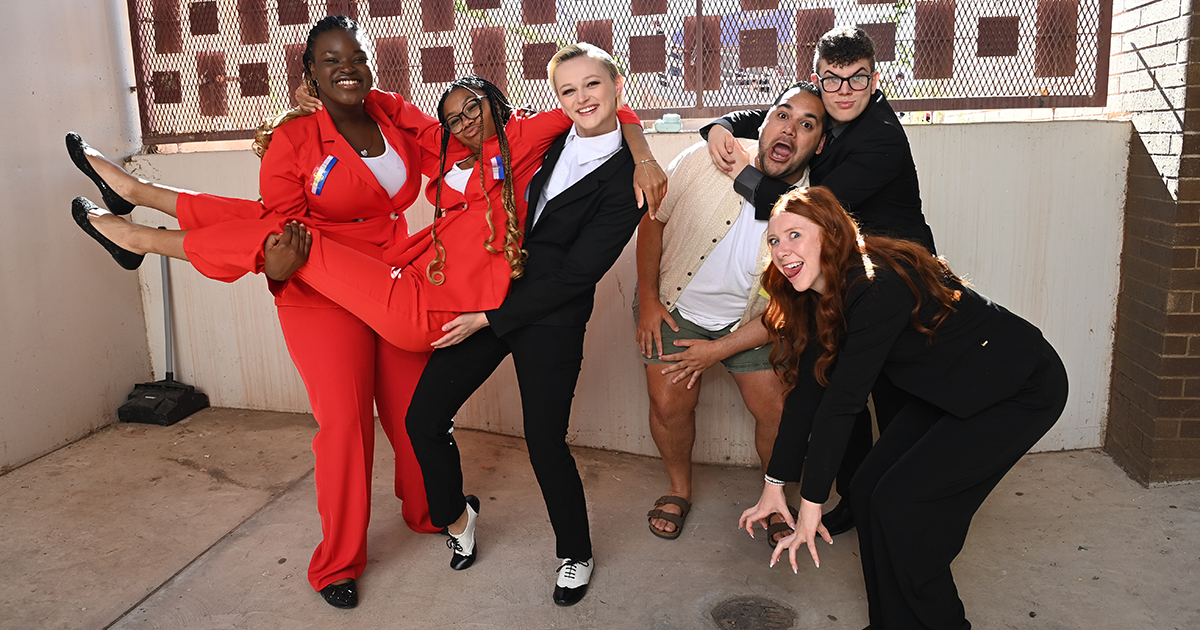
(470, 111)
(858, 82)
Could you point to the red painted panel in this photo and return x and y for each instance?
(394, 70)
(934, 56)
(202, 16)
(534, 58)
(597, 33)
(998, 36)
(253, 79)
(210, 67)
(647, 53)
(811, 24)
(488, 55)
(1057, 38)
(437, 64)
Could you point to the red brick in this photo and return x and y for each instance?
(1193, 346)
(1151, 294)
(1178, 409)
(1184, 278)
(1189, 429)
(1179, 302)
(1181, 366)
(1184, 257)
(1168, 470)
(1174, 448)
(1156, 253)
(1175, 344)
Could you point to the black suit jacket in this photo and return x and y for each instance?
(869, 166)
(982, 355)
(579, 236)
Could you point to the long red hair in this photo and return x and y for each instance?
(843, 249)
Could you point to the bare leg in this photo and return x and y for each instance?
(137, 191)
(763, 394)
(140, 239)
(673, 427)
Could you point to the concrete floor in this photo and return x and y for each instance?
(210, 523)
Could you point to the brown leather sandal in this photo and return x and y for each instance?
(674, 519)
(775, 529)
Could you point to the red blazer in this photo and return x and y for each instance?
(311, 172)
(475, 279)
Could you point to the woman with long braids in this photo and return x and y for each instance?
(360, 206)
(986, 386)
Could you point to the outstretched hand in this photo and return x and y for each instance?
(806, 529)
(284, 254)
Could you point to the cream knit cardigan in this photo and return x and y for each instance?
(699, 210)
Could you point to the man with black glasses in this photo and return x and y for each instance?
(867, 163)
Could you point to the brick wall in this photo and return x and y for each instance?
(1154, 410)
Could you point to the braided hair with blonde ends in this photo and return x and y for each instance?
(500, 110)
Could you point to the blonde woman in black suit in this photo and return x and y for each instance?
(985, 387)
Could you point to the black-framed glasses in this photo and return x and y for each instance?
(858, 82)
(470, 111)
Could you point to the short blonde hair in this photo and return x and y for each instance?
(582, 49)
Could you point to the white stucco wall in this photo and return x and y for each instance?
(1030, 212)
(73, 342)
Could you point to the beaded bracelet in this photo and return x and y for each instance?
(773, 481)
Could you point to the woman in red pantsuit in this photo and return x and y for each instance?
(346, 367)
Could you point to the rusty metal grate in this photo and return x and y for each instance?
(215, 69)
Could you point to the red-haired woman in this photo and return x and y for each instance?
(845, 308)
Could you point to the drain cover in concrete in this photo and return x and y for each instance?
(753, 613)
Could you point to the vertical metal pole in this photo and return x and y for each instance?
(699, 63)
(168, 326)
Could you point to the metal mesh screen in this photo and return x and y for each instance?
(215, 69)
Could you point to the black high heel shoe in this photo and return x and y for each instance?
(80, 208)
(341, 595)
(76, 148)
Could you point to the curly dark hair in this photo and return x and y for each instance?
(843, 46)
(501, 110)
(843, 248)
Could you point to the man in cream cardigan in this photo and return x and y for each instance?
(699, 294)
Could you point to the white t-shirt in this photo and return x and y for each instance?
(579, 157)
(389, 169)
(717, 296)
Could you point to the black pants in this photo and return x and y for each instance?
(888, 400)
(915, 495)
(547, 360)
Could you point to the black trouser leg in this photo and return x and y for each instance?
(916, 493)
(547, 359)
(450, 377)
(888, 400)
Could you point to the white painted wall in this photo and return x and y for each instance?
(73, 342)
(1030, 212)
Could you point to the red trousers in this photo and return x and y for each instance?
(347, 370)
(346, 367)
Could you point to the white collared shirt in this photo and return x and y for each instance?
(579, 157)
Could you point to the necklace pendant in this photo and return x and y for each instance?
(363, 153)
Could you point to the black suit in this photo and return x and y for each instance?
(579, 235)
(982, 395)
(869, 166)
